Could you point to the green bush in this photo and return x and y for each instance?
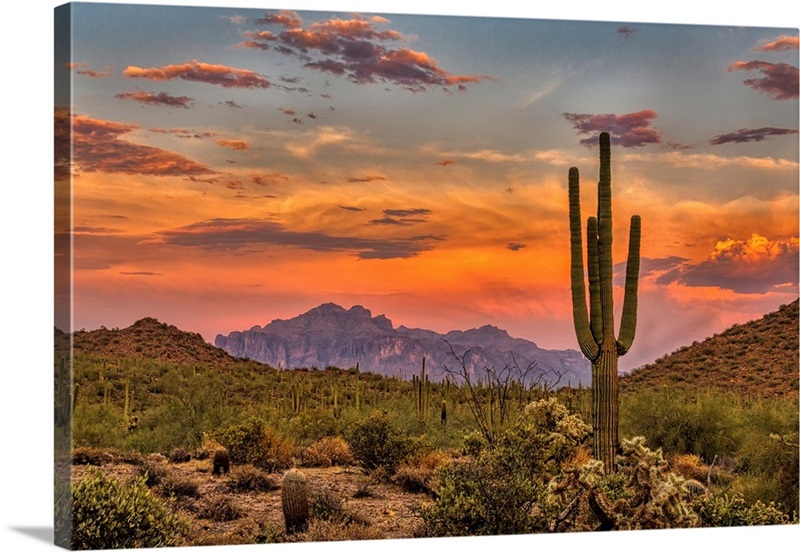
(736, 431)
(681, 422)
(505, 488)
(376, 443)
(98, 425)
(110, 514)
(253, 442)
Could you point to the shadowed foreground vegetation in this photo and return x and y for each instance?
(381, 463)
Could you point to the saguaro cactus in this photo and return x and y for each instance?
(422, 393)
(595, 329)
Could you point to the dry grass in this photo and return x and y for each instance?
(417, 474)
(327, 452)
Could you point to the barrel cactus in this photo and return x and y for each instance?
(294, 496)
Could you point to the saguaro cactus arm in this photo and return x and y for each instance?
(580, 315)
(627, 329)
(595, 305)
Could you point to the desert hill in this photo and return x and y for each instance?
(757, 358)
(148, 339)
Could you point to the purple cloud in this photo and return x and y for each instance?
(778, 80)
(744, 135)
(631, 130)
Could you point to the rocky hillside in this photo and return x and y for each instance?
(329, 335)
(147, 339)
(758, 358)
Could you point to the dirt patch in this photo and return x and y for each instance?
(387, 509)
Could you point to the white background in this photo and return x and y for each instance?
(26, 264)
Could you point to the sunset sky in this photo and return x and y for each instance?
(233, 166)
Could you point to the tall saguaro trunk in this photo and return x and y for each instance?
(595, 328)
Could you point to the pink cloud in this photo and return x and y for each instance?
(778, 80)
(631, 130)
(356, 49)
(197, 71)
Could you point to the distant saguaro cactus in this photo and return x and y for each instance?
(595, 329)
(422, 393)
(294, 497)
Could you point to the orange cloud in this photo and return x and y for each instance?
(780, 44)
(266, 179)
(238, 145)
(370, 178)
(755, 265)
(97, 147)
(87, 72)
(197, 71)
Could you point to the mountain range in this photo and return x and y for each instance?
(330, 335)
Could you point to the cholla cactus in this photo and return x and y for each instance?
(294, 497)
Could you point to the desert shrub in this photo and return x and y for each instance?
(110, 514)
(326, 504)
(249, 478)
(328, 451)
(689, 466)
(731, 511)
(207, 448)
(416, 474)
(473, 443)
(221, 508)
(174, 485)
(377, 443)
(92, 456)
(253, 442)
(505, 489)
(153, 472)
(178, 456)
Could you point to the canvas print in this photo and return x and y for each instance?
(340, 276)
